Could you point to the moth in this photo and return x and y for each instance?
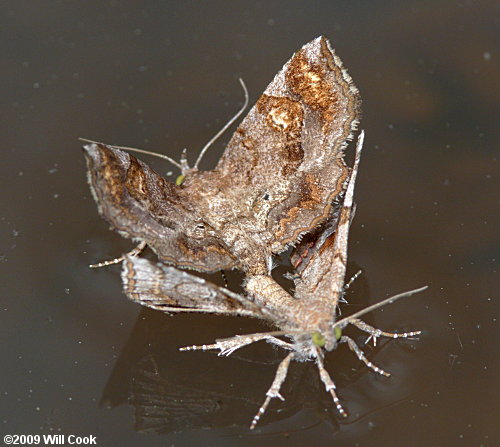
(282, 182)
(275, 181)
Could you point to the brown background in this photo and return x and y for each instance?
(163, 76)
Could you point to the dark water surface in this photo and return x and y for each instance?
(78, 358)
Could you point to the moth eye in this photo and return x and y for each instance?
(337, 332)
(265, 196)
(200, 226)
(318, 339)
(180, 180)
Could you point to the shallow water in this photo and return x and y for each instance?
(78, 358)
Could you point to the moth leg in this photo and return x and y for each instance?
(274, 390)
(135, 252)
(349, 284)
(375, 333)
(228, 345)
(224, 277)
(361, 356)
(329, 385)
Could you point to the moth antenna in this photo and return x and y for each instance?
(231, 121)
(134, 149)
(390, 300)
(344, 321)
(276, 333)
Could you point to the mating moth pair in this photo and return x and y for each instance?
(281, 183)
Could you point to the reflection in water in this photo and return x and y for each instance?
(172, 391)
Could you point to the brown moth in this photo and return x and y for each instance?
(275, 181)
(282, 181)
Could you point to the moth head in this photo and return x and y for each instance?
(328, 339)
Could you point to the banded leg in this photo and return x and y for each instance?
(327, 380)
(228, 345)
(361, 356)
(375, 333)
(274, 390)
(348, 285)
(136, 251)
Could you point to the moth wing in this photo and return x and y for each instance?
(286, 157)
(171, 290)
(322, 272)
(143, 206)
